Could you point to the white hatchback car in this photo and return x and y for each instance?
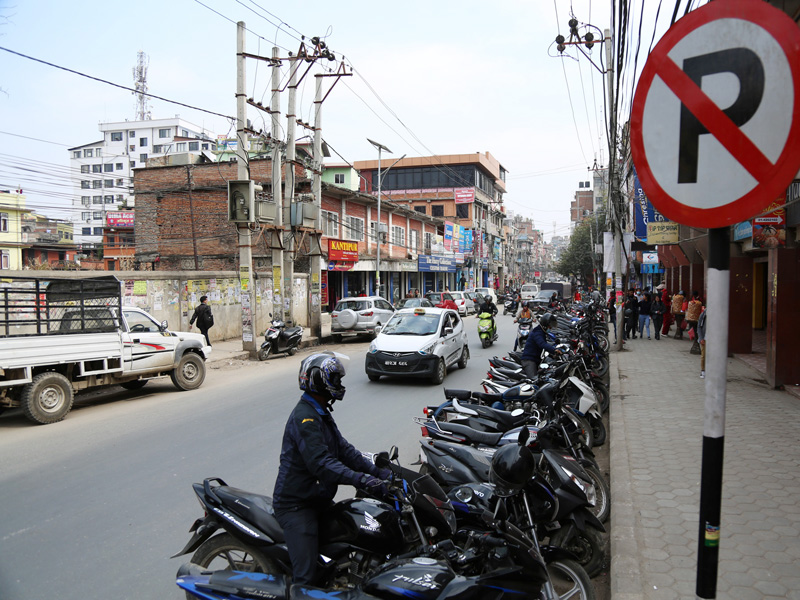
(463, 302)
(418, 342)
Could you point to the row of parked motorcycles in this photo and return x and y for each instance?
(507, 500)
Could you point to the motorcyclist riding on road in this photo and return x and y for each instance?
(537, 342)
(315, 459)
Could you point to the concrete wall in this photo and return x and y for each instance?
(173, 295)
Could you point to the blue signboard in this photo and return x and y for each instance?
(446, 264)
(742, 231)
(643, 211)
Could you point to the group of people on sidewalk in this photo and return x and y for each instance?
(642, 306)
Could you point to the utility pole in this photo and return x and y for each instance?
(380, 148)
(246, 275)
(279, 291)
(314, 321)
(291, 120)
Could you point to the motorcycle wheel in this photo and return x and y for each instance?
(485, 342)
(602, 342)
(570, 580)
(292, 351)
(602, 507)
(505, 312)
(600, 366)
(263, 353)
(598, 430)
(224, 551)
(586, 429)
(603, 397)
(586, 546)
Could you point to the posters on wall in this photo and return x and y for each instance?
(769, 230)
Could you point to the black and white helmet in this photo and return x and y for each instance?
(322, 374)
(546, 320)
(487, 298)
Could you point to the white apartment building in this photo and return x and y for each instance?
(102, 171)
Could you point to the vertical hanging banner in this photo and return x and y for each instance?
(644, 212)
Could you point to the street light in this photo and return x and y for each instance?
(380, 148)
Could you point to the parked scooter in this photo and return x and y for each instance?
(279, 339)
(487, 329)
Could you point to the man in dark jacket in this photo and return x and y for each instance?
(204, 317)
(536, 344)
(315, 459)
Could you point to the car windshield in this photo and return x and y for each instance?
(545, 294)
(529, 288)
(457, 295)
(409, 303)
(412, 324)
(435, 298)
(352, 305)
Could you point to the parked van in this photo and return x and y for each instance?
(528, 291)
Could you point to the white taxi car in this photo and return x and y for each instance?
(418, 342)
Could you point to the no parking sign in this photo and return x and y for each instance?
(715, 125)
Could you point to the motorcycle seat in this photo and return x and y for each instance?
(287, 333)
(253, 508)
(460, 394)
(502, 417)
(472, 436)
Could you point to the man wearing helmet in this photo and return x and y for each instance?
(315, 459)
(537, 342)
(487, 306)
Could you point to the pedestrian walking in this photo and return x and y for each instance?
(612, 312)
(657, 313)
(693, 310)
(679, 312)
(204, 317)
(701, 338)
(631, 316)
(645, 305)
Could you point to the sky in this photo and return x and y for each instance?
(430, 78)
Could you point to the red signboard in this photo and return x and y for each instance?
(769, 231)
(343, 250)
(464, 195)
(324, 287)
(119, 219)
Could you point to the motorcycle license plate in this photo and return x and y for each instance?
(396, 363)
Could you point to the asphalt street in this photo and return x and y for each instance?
(94, 506)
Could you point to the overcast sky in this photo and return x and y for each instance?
(433, 77)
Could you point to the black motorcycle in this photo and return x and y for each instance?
(510, 305)
(279, 339)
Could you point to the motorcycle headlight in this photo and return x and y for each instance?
(483, 327)
(586, 488)
(373, 348)
(427, 349)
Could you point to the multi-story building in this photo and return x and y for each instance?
(582, 203)
(466, 190)
(102, 171)
(50, 242)
(12, 238)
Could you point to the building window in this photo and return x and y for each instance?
(180, 146)
(398, 236)
(143, 157)
(76, 154)
(163, 133)
(86, 216)
(97, 168)
(118, 166)
(158, 149)
(109, 199)
(85, 184)
(354, 229)
(4, 222)
(119, 198)
(205, 146)
(98, 152)
(5, 259)
(87, 153)
(86, 200)
(97, 184)
(338, 178)
(133, 164)
(97, 200)
(86, 231)
(97, 231)
(108, 183)
(131, 134)
(98, 214)
(184, 133)
(194, 146)
(84, 168)
(414, 240)
(142, 141)
(437, 210)
(421, 209)
(120, 183)
(108, 168)
(330, 224)
(116, 136)
(428, 242)
(462, 211)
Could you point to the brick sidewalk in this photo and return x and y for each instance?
(656, 429)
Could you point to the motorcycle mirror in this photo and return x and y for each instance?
(381, 459)
(393, 453)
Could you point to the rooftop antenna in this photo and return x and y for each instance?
(140, 85)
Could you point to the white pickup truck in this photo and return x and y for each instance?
(61, 336)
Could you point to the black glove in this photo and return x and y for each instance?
(385, 474)
(374, 486)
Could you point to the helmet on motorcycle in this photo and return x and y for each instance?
(546, 320)
(322, 374)
(512, 466)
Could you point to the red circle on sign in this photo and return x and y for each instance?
(787, 34)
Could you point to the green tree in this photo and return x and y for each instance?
(577, 258)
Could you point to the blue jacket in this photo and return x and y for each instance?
(537, 342)
(315, 458)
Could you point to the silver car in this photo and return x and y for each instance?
(463, 302)
(359, 316)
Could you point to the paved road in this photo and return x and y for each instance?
(94, 506)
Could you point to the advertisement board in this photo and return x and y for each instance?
(120, 219)
(343, 250)
(662, 233)
(769, 230)
(427, 263)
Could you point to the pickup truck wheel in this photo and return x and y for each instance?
(48, 398)
(190, 372)
(136, 384)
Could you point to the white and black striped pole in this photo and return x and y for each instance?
(714, 421)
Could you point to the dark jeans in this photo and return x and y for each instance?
(630, 326)
(205, 333)
(531, 368)
(678, 331)
(301, 531)
(658, 321)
